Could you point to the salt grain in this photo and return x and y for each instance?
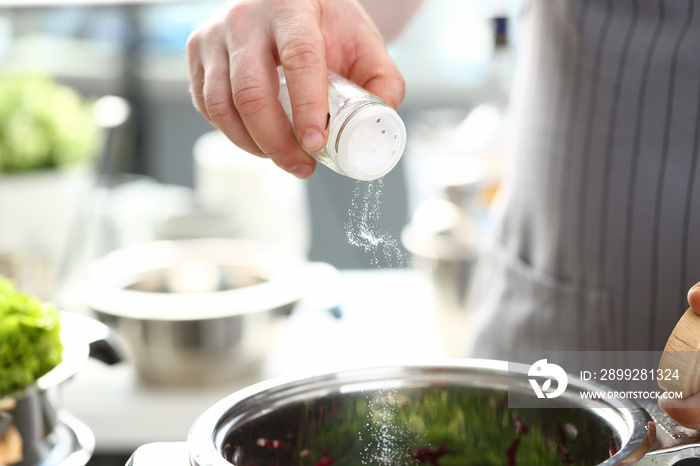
(362, 229)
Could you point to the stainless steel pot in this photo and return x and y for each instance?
(47, 434)
(198, 311)
(401, 414)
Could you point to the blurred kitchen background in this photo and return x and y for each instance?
(165, 175)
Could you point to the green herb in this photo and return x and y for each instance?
(43, 125)
(431, 425)
(30, 342)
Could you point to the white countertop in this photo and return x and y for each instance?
(388, 318)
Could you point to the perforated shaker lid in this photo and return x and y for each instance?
(371, 142)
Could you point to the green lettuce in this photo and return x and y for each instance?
(43, 125)
(30, 341)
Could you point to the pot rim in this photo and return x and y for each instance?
(108, 295)
(209, 431)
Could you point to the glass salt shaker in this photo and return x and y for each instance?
(366, 137)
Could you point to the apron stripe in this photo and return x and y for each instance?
(655, 307)
(627, 258)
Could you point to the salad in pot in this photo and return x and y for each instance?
(30, 340)
(30, 346)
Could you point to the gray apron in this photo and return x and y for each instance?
(596, 233)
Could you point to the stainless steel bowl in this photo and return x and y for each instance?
(196, 311)
(411, 414)
(44, 432)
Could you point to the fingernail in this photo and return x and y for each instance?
(312, 141)
(301, 171)
(694, 298)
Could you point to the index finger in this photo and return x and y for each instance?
(254, 85)
(302, 54)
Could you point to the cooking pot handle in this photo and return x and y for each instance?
(103, 344)
(170, 453)
(675, 456)
(101, 340)
(673, 444)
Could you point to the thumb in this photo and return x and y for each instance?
(694, 298)
(685, 412)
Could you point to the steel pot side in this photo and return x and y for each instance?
(208, 435)
(185, 338)
(48, 433)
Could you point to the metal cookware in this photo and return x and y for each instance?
(198, 311)
(443, 234)
(408, 414)
(46, 433)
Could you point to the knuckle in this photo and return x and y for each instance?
(239, 17)
(238, 14)
(277, 153)
(300, 55)
(219, 110)
(193, 42)
(281, 152)
(197, 102)
(309, 105)
(203, 34)
(249, 99)
(218, 107)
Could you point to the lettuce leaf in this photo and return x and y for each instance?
(43, 125)
(30, 341)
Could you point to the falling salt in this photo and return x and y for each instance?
(389, 442)
(364, 231)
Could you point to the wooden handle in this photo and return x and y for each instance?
(682, 353)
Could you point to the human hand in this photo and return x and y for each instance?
(686, 411)
(233, 59)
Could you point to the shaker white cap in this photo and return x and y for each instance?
(371, 142)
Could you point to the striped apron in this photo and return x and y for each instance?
(595, 237)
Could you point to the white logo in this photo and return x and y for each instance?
(550, 371)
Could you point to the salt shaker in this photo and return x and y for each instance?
(366, 137)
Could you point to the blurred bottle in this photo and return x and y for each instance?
(484, 133)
